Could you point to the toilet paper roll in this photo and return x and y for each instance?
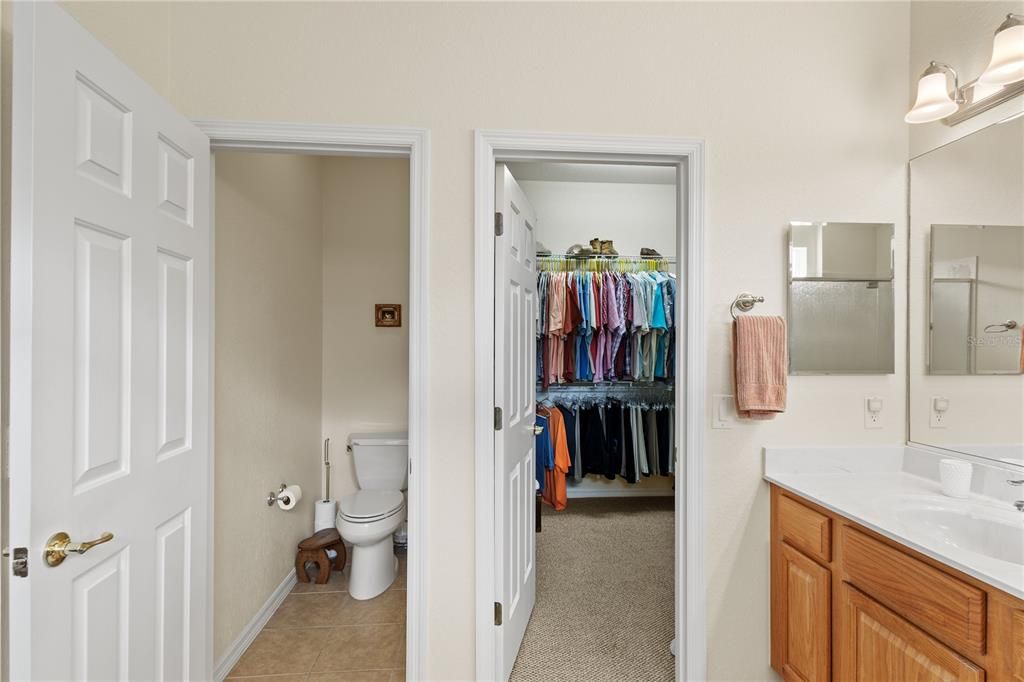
(289, 497)
(323, 517)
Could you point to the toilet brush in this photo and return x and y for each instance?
(323, 516)
(327, 469)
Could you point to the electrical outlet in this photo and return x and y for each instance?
(872, 412)
(939, 412)
(723, 411)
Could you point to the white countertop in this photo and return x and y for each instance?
(875, 489)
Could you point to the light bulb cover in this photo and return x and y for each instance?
(933, 100)
(1007, 63)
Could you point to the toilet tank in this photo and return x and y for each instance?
(381, 460)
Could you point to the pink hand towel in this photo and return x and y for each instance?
(760, 365)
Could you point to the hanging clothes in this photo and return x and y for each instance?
(554, 491)
(605, 327)
(543, 450)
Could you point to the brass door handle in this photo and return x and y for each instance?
(59, 546)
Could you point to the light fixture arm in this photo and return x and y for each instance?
(942, 67)
(1012, 19)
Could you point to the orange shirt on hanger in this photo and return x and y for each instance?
(554, 479)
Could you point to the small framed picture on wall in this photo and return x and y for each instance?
(388, 314)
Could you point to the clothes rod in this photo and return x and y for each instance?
(655, 259)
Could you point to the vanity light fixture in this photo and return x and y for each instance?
(1006, 68)
(1007, 63)
(933, 99)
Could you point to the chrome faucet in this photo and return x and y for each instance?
(1019, 504)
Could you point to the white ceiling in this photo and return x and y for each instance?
(525, 171)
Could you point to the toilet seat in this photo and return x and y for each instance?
(366, 506)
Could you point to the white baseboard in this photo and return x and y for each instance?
(245, 638)
(619, 492)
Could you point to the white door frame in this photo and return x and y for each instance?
(413, 144)
(493, 146)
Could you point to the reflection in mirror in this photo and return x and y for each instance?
(966, 295)
(977, 299)
(841, 298)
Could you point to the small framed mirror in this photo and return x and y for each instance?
(841, 308)
(976, 299)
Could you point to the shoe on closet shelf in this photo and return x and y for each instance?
(608, 248)
(542, 250)
(579, 251)
(649, 253)
(595, 244)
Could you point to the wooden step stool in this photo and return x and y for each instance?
(314, 548)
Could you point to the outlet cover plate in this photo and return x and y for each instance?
(873, 419)
(936, 419)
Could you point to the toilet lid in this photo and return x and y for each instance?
(367, 504)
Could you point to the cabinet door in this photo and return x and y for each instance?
(878, 645)
(801, 631)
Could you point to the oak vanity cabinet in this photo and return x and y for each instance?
(848, 604)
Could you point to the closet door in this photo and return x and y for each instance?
(515, 322)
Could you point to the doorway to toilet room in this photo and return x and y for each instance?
(312, 389)
(587, 297)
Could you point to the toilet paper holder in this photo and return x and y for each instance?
(273, 497)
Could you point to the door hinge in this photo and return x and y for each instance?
(19, 561)
(498, 420)
(499, 224)
(497, 613)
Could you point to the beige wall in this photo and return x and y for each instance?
(267, 374)
(365, 261)
(801, 106)
(958, 33)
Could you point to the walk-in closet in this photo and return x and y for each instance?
(604, 380)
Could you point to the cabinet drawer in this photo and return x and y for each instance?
(947, 608)
(805, 529)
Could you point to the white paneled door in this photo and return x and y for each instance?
(110, 359)
(515, 363)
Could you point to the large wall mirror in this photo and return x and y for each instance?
(966, 289)
(841, 318)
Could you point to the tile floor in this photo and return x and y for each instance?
(320, 634)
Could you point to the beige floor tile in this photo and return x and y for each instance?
(273, 678)
(306, 610)
(276, 652)
(338, 582)
(385, 608)
(363, 647)
(353, 676)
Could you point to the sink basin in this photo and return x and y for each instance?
(982, 529)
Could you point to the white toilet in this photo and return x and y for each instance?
(367, 519)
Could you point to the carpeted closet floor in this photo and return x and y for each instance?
(604, 593)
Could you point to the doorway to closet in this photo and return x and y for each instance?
(589, 286)
(604, 296)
